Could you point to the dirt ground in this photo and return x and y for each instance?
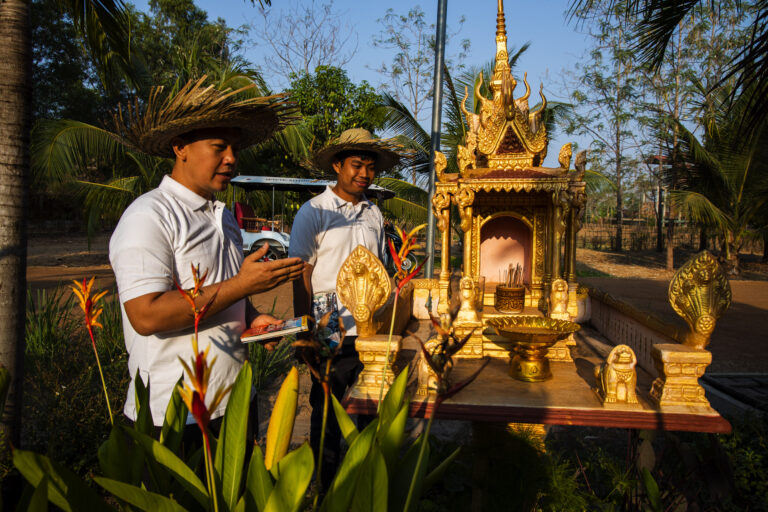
(739, 343)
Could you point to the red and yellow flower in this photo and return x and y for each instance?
(402, 276)
(89, 304)
(194, 392)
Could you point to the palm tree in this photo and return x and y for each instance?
(726, 184)
(64, 150)
(15, 109)
(104, 25)
(660, 18)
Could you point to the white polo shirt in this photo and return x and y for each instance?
(326, 230)
(158, 237)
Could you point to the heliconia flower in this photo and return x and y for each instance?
(194, 392)
(402, 276)
(191, 294)
(87, 303)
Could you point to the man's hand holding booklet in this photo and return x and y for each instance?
(278, 330)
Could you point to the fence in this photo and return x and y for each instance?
(642, 237)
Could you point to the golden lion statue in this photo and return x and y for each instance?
(616, 377)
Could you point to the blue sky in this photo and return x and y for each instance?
(555, 45)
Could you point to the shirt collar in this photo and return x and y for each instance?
(339, 202)
(183, 194)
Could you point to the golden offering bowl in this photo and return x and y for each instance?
(531, 337)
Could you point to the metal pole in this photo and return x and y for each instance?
(437, 107)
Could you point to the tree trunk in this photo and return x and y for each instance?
(703, 238)
(732, 247)
(619, 219)
(15, 96)
(765, 245)
(670, 240)
(660, 219)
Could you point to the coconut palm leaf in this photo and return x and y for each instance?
(105, 25)
(598, 183)
(409, 204)
(62, 149)
(699, 209)
(409, 134)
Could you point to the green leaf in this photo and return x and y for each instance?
(392, 440)
(347, 426)
(230, 453)
(160, 455)
(343, 486)
(175, 420)
(280, 428)
(65, 489)
(436, 474)
(39, 501)
(138, 497)
(372, 486)
(393, 400)
(258, 484)
(112, 456)
(652, 489)
(401, 480)
(143, 423)
(295, 473)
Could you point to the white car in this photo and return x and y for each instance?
(257, 232)
(278, 243)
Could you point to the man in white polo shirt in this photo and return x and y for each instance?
(180, 224)
(325, 231)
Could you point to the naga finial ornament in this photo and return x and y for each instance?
(363, 287)
(699, 292)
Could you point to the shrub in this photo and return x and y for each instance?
(50, 323)
(64, 413)
(270, 364)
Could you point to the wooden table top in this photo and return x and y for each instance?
(567, 399)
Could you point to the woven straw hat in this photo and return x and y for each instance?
(387, 152)
(152, 128)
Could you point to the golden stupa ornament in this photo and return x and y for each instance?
(505, 134)
(699, 292)
(363, 287)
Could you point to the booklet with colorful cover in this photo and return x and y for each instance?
(284, 328)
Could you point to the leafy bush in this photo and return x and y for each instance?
(747, 447)
(270, 364)
(64, 413)
(50, 322)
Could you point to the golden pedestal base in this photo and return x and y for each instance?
(373, 355)
(679, 367)
(561, 351)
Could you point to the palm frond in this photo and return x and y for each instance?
(105, 25)
(699, 209)
(402, 211)
(62, 149)
(597, 182)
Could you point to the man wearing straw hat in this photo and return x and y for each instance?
(180, 225)
(325, 231)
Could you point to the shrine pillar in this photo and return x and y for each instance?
(441, 205)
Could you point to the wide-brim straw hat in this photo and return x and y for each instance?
(150, 128)
(388, 153)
